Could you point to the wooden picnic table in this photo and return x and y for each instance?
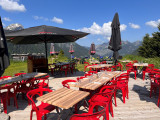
(63, 98)
(125, 61)
(94, 62)
(21, 77)
(100, 66)
(96, 81)
(140, 66)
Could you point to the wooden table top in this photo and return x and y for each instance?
(96, 81)
(140, 64)
(64, 98)
(100, 66)
(125, 61)
(20, 78)
(93, 62)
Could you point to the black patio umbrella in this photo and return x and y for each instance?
(4, 57)
(71, 51)
(115, 41)
(44, 34)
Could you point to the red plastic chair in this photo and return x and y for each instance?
(147, 69)
(66, 69)
(132, 69)
(158, 99)
(73, 67)
(134, 61)
(103, 98)
(109, 88)
(103, 62)
(42, 84)
(42, 109)
(65, 83)
(152, 73)
(99, 115)
(154, 85)
(24, 87)
(120, 66)
(86, 64)
(10, 91)
(5, 96)
(129, 65)
(122, 84)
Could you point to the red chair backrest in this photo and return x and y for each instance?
(31, 94)
(17, 74)
(65, 83)
(65, 67)
(90, 115)
(87, 74)
(86, 63)
(4, 77)
(150, 66)
(92, 72)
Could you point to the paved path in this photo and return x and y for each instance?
(138, 107)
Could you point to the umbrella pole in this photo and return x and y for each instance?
(71, 56)
(46, 54)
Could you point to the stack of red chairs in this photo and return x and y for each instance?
(10, 92)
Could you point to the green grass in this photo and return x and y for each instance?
(155, 61)
(15, 67)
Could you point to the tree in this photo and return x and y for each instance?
(151, 45)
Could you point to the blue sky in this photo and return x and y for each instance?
(137, 17)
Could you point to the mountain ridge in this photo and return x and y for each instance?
(80, 51)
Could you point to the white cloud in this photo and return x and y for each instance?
(7, 19)
(40, 18)
(105, 29)
(12, 5)
(100, 41)
(134, 26)
(57, 20)
(123, 27)
(153, 24)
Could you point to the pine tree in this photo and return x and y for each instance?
(151, 45)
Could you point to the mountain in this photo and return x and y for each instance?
(80, 51)
(127, 48)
